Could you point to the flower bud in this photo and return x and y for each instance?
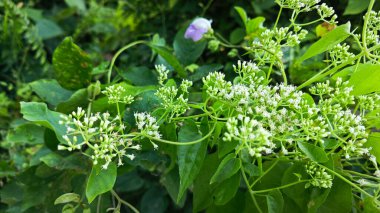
(197, 29)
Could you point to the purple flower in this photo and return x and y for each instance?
(197, 28)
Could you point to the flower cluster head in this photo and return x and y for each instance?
(251, 135)
(268, 119)
(273, 40)
(198, 28)
(300, 6)
(162, 73)
(147, 125)
(340, 54)
(116, 94)
(373, 27)
(319, 177)
(99, 132)
(173, 99)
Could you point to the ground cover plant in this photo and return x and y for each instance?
(118, 106)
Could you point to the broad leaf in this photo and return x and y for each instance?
(100, 181)
(356, 7)
(373, 144)
(328, 41)
(275, 201)
(315, 153)
(72, 66)
(169, 58)
(66, 198)
(48, 29)
(186, 50)
(190, 157)
(40, 114)
(203, 190)
(365, 79)
(227, 189)
(228, 167)
(50, 91)
(242, 14)
(339, 199)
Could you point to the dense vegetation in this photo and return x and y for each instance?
(189, 106)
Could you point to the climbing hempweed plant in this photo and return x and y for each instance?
(274, 145)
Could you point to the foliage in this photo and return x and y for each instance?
(117, 106)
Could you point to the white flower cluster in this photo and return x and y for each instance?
(173, 99)
(162, 73)
(300, 6)
(99, 132)
(266, 119)
(340, 54)
(251, 135)
(373, 27)
(147, 125)
(274, 40)
(116, 94)
(320, 178)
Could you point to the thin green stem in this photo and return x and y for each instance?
(117, 55)
(278, 18)
(183, 143)
(124, 202)
(345, 180)
(249, 189)
(120, 121)
(365, 25)
(281, 187)
(266, 172)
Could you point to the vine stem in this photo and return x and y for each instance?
(345, 180)
(183, 143)
(266, 172)
(364, 32)
(124, 202)
(323, 74)
(249, 189)
(281, 187)
(117, 55)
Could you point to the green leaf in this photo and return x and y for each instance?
(139, 76)
(228, 167)
(48, 29)
(190, 157)
(275, 201)
(356, 6)
(242, 14)
(202, 190)
(154, 201)
(50, 91)
(339, 199)
(315, 153)
(171, 182)
(327, 42)
(255, 26)
(169, 57)
(66, 198)
(79, 4)
(237, 35)
(40, 114)
(204, 70)
(78, 99)
(365, 79)
(186, 50)
(100, 181)
(27, 133)
(373, 143)
(227, 189)
(72, 66)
